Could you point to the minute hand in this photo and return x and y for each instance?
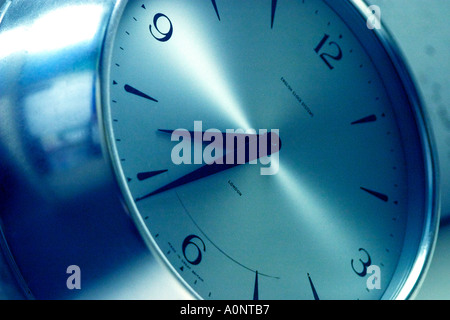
(220, 165)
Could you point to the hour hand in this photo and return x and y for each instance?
(200, 173)
(232, 141)
(199, 135)
(224, 163)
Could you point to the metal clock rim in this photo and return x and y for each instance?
(411, 282)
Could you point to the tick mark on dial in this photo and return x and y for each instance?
(215, 8)
(376, 194)
(147, 175)
(371, 118)
(255, 290)
(316, 296)
(274, 9)
(138, 93)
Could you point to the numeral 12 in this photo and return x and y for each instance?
(326, 56)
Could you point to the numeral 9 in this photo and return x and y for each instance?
(161, 36)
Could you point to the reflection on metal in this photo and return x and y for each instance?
(57, 198)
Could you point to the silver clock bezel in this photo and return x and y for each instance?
(418, 256)
(420, 260)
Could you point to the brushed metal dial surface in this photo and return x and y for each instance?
(355, 180)
(61, 204)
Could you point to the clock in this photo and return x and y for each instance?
(263, 149)
(350, 191)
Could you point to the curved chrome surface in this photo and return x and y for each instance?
(48, 124)
(58, 202)
(51, 161)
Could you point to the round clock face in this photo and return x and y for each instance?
(332, 166)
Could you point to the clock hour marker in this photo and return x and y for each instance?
(207, 258)
(255, 290)
(379, 195)
(138, 93)
(316, 296)
(274, 8)
(146, 175)
(215, 8)
(371, 118)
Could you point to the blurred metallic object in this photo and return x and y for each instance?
(58, 203)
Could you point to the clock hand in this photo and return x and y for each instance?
(195, 134)
(200, 173)
(219, 164)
